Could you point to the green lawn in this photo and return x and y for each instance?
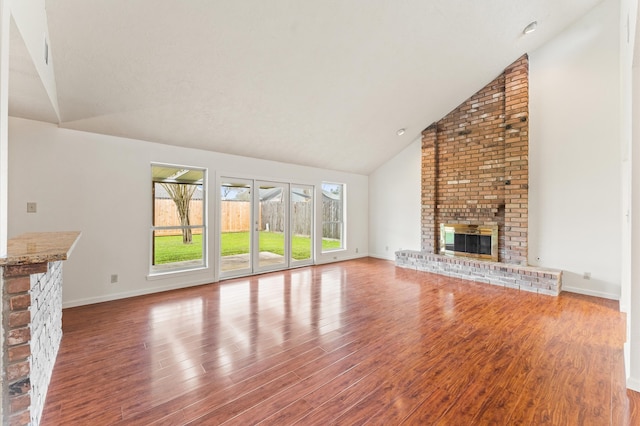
(170, 249)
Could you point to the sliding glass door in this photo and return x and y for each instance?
(264, 226)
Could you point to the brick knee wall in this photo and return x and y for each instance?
(33, 331)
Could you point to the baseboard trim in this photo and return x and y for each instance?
(341, 259)
(127, 294)
(384, 257)
(633, 384)
(588, 292)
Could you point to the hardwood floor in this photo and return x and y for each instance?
(346, 343)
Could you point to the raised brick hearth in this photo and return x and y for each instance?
(475, 171)
(528, 278)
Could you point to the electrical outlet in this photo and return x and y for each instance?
(32, 207)
(587, 275)
(356, 249)
(114, 278)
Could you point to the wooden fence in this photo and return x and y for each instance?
(166, 214)
(332, 219)
(235, 216)
(271, 217)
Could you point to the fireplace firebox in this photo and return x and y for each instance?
(477, 241)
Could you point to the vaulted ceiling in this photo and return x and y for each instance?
(317, 83)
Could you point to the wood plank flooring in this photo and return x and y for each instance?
(347, 343)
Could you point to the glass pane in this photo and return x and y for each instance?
(332, 220)
(235, 226)
(178, 204)
(301, 223)
(169, 248)
(271, 225)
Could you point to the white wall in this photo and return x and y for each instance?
(628, 20)
(5, 20)
(395, 204)
(4, 158)
(100, 185)
(628, 10)
(632, 346)
(575, 213)
(631, 287)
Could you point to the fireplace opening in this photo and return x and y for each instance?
(479, 241)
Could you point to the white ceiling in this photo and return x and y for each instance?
(318, 83)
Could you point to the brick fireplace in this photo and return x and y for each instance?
(475, 172)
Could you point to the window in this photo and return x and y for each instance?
(301, 206)
(332, 216)
(178, 232)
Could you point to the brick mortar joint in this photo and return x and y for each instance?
(19, 413)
